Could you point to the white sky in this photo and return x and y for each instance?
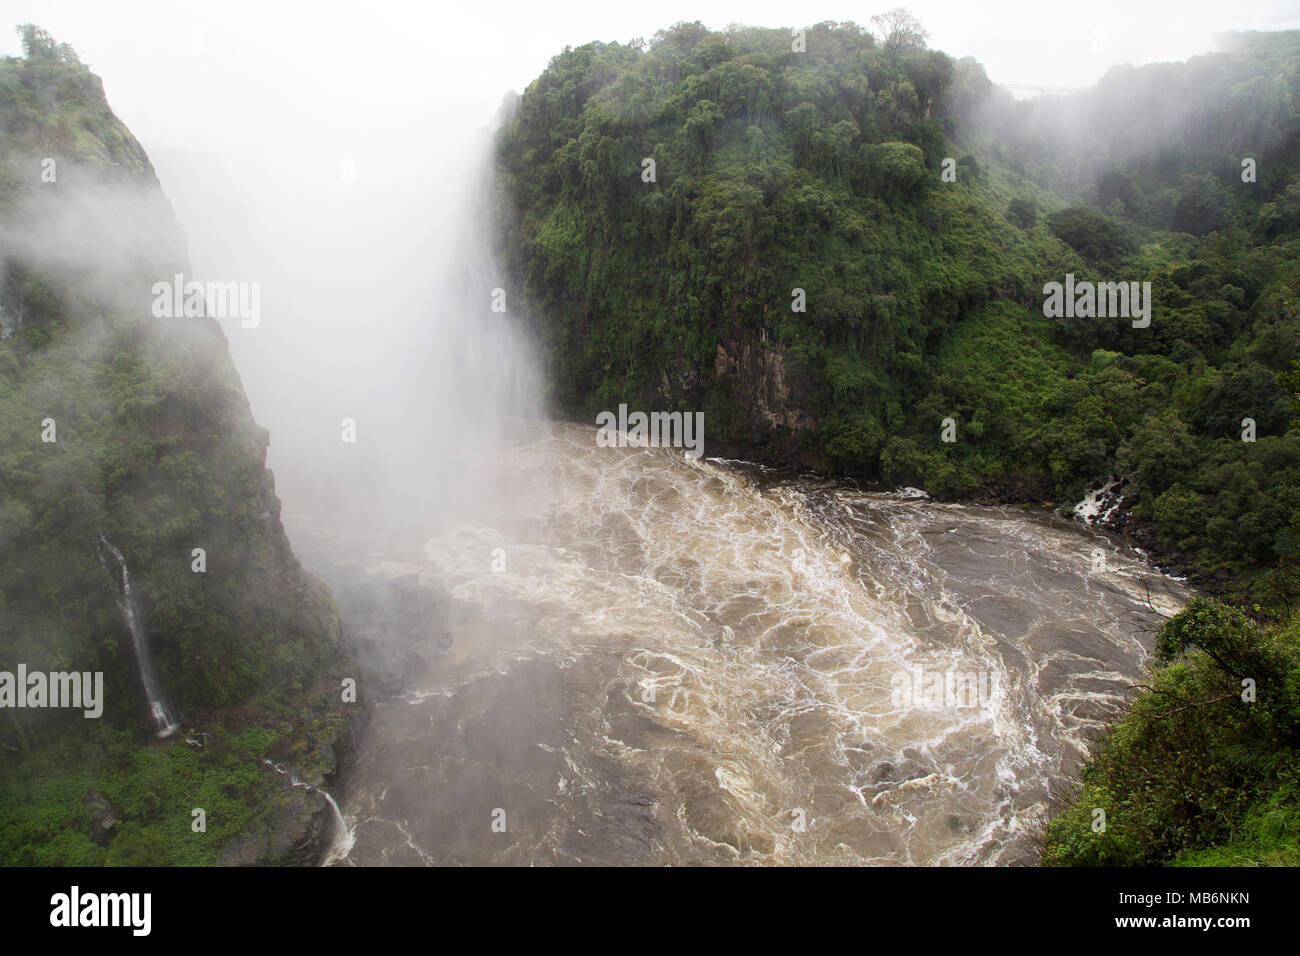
(188, 73)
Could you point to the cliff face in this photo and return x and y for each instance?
(120, 428)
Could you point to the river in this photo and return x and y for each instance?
(655, 660)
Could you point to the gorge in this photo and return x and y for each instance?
(490, 621)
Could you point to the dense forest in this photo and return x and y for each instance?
(121, 431)
(836, 243)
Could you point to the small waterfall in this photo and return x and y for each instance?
(164, 724)
(7, 325)
(343, 837)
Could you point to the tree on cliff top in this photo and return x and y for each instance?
(39, 45)
(899, 30)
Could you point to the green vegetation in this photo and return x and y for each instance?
(823, 170)
(155, 449)
(1205, 768)
(48, 804)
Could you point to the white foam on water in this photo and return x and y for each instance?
(761, 665)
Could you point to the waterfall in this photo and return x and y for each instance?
(164, 724)
(7, 326)
(343, 837)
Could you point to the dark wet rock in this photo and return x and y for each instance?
(1113, 516)
(292, 836)
(104, 817)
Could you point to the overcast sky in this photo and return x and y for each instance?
(185, 73)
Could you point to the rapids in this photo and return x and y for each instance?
(698, 661)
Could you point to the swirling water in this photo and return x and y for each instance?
(658, 660)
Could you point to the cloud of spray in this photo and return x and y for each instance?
(376, 283)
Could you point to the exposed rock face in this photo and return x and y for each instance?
(103, 817)
(761, 374)
(291, 839)
(767, 425)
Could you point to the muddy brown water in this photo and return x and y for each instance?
(700, 662)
